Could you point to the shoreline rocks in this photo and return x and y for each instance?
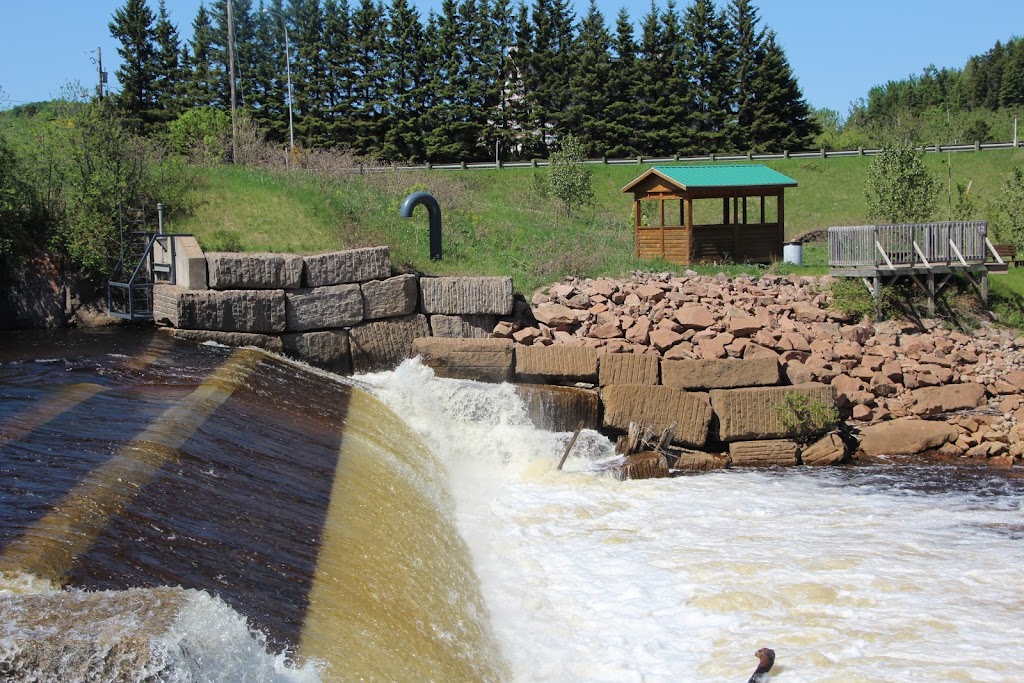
(915, 376)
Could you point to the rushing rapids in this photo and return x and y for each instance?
(197, 513)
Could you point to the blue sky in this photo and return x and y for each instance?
(838, 50)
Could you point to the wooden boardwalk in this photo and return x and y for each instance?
(881, 254)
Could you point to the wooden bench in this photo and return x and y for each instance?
(1007, 252)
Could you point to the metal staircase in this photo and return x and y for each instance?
(146, 258)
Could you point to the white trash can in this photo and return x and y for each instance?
(793, 252)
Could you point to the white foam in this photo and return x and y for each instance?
(682, 579)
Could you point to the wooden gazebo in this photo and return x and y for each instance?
(672, 234)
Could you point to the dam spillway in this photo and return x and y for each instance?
(496, 566)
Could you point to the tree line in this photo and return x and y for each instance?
(477, 79)
(974, 103)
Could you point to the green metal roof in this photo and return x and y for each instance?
(743, 175)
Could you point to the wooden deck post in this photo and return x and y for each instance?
(636, 227)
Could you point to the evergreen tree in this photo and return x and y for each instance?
(781, 118)
(133, 27)
(706, 58)
(621, 108)
(497, 71)
(587, 117)
(746, 49)
(452, 134)
(268, 91)
(309, 82)
(369, 73)
(407, 79)
(201, 82)
(1011, 86)
(676, 98)
(340, 68)
(169, 86)
(547, 71)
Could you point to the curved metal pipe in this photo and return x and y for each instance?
(433, 211)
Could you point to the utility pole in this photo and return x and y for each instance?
(231, 69)
(103, 75)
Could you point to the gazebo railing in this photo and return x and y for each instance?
(909, 245)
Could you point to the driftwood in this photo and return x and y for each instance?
(572, 442)
(644, 453)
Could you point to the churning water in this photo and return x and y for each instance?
(445, 546)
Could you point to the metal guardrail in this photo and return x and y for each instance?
(764, 156)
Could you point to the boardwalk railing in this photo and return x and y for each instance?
(909, 245)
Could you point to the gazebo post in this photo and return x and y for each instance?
(782, 216)
(636, 226)
(689, 230)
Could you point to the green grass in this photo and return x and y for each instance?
(495, 224)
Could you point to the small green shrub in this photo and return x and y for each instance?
(851, 297)
(804, 419)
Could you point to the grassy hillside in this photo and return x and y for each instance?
(495, 223)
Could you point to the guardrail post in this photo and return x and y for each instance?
(785, 154)
(860, 151)
(977, 145)
(822, 152)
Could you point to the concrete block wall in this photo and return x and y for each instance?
(342, 311)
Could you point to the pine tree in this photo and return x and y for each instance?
(340, 68)
(547, 71)
(308, 76)
(496, 70)
(451, 133)
(133, 28)
(169, 85)
(707, 60)
(676, 98)
(587, 117)
(405, 101)
(1011, 86)
(201, 83)
(746, 49)
(621, 109)
(782, 118)
(268, 90)
(369, 72)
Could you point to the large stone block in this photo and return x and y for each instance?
(720, 374)
(484, 360)
(628, 368)
(775, 452)
(699, 461)
(327, 349)
(324, 308)
(477, 326)
(828, 450)
(658, 407)
(945, 399)
(165, 303)
(229, 270)
(390, 298)
(560, 409)
(751, 414)
(905, 436)
(259, 311)
(465, 295)
(352, 265)
(556, 364)
(268, 342)
(384, 344)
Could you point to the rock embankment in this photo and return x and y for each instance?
(892, 379)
